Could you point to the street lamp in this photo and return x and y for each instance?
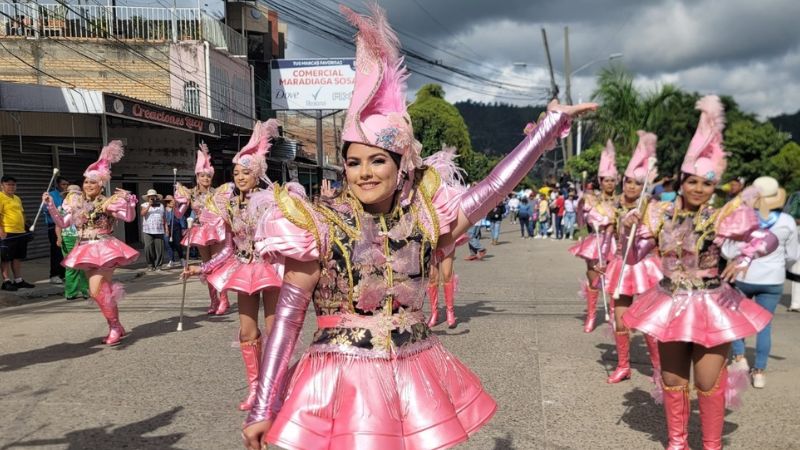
(610, 57)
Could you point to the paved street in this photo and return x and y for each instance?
(520, 329)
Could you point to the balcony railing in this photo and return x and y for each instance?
(128, 23)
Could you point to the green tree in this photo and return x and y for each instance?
(785, 166)
(751, 145)
(437, 122)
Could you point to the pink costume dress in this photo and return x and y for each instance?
(237, 267)
(203, 234)
(691, 304)
(599, 214)
(96, 247)
(639, 277)
(375, 376)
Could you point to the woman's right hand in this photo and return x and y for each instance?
(46, 199)
(190, 271)
(632, 218)
(253, 435)
(572, 110)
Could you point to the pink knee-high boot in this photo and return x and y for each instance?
(623, 370)
(251, 354)
(433, 295)
(450, 299)
(712, 411)
(214, 296)
(676, 410)
(591, 306)
(108, 297)
(223, 305)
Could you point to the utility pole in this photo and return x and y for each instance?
(553, 86)
(567, 92)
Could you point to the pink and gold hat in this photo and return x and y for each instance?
(203, 164)
(100, 170)
(705, 156)
(638, 167)
(253, 156)
(608, 163)
(377, 114)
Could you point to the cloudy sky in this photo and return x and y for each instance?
(745, 48)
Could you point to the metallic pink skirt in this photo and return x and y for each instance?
(105, 253)
(638, 277)
(587, 248)
(247, 278)
(421, 401)
(708, 317)
(203, 235)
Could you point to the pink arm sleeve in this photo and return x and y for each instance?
(220, 257)
(478, 200)
(123, 208)
(62, 221)
(289, 315)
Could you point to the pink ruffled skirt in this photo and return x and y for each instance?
(638, 277)
(203, 235)
(696, 316)
(247, 278)
(420, 401)
(107, 252)
(588, 248)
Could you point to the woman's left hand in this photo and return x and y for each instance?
(572, 110)
(732, 271)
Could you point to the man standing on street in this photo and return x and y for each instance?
(56, 269)
(154, 227)
(13, 239)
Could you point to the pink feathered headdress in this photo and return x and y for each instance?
(645, 149)
(705, 156)
(377, 114)
(608, 163)
(101, 169)
(203, 164)
(253, 156)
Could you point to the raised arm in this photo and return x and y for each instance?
(61, 221)
(299, 281)
(478, 200)
(182, 200)
(122, 205)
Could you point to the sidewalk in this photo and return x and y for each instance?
(37, 272)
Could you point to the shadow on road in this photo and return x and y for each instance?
(125, 436)
(467, 312)
(504, 443)
(643, 415)
(640, 359)
(69, 350)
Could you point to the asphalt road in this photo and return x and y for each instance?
(520, 330)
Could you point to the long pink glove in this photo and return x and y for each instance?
(220, 257)
(64, 221)
(181, 204)
(478, 200)
(757, 244)
(289, 315)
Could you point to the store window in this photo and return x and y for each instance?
(191, 98)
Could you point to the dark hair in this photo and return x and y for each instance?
(7, 178)
(60, 179)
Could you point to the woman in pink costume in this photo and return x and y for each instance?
(97, 252)
(203, 236)
(598, 246)
(442, 265)
(636, 278)
(375, 376)
(694, 313)
(237, 266)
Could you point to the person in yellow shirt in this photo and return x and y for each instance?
(13, 236)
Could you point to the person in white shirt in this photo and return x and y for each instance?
(763, 281)
(513, 207)
(793, 209)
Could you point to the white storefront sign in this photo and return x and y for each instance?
(312, 83)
